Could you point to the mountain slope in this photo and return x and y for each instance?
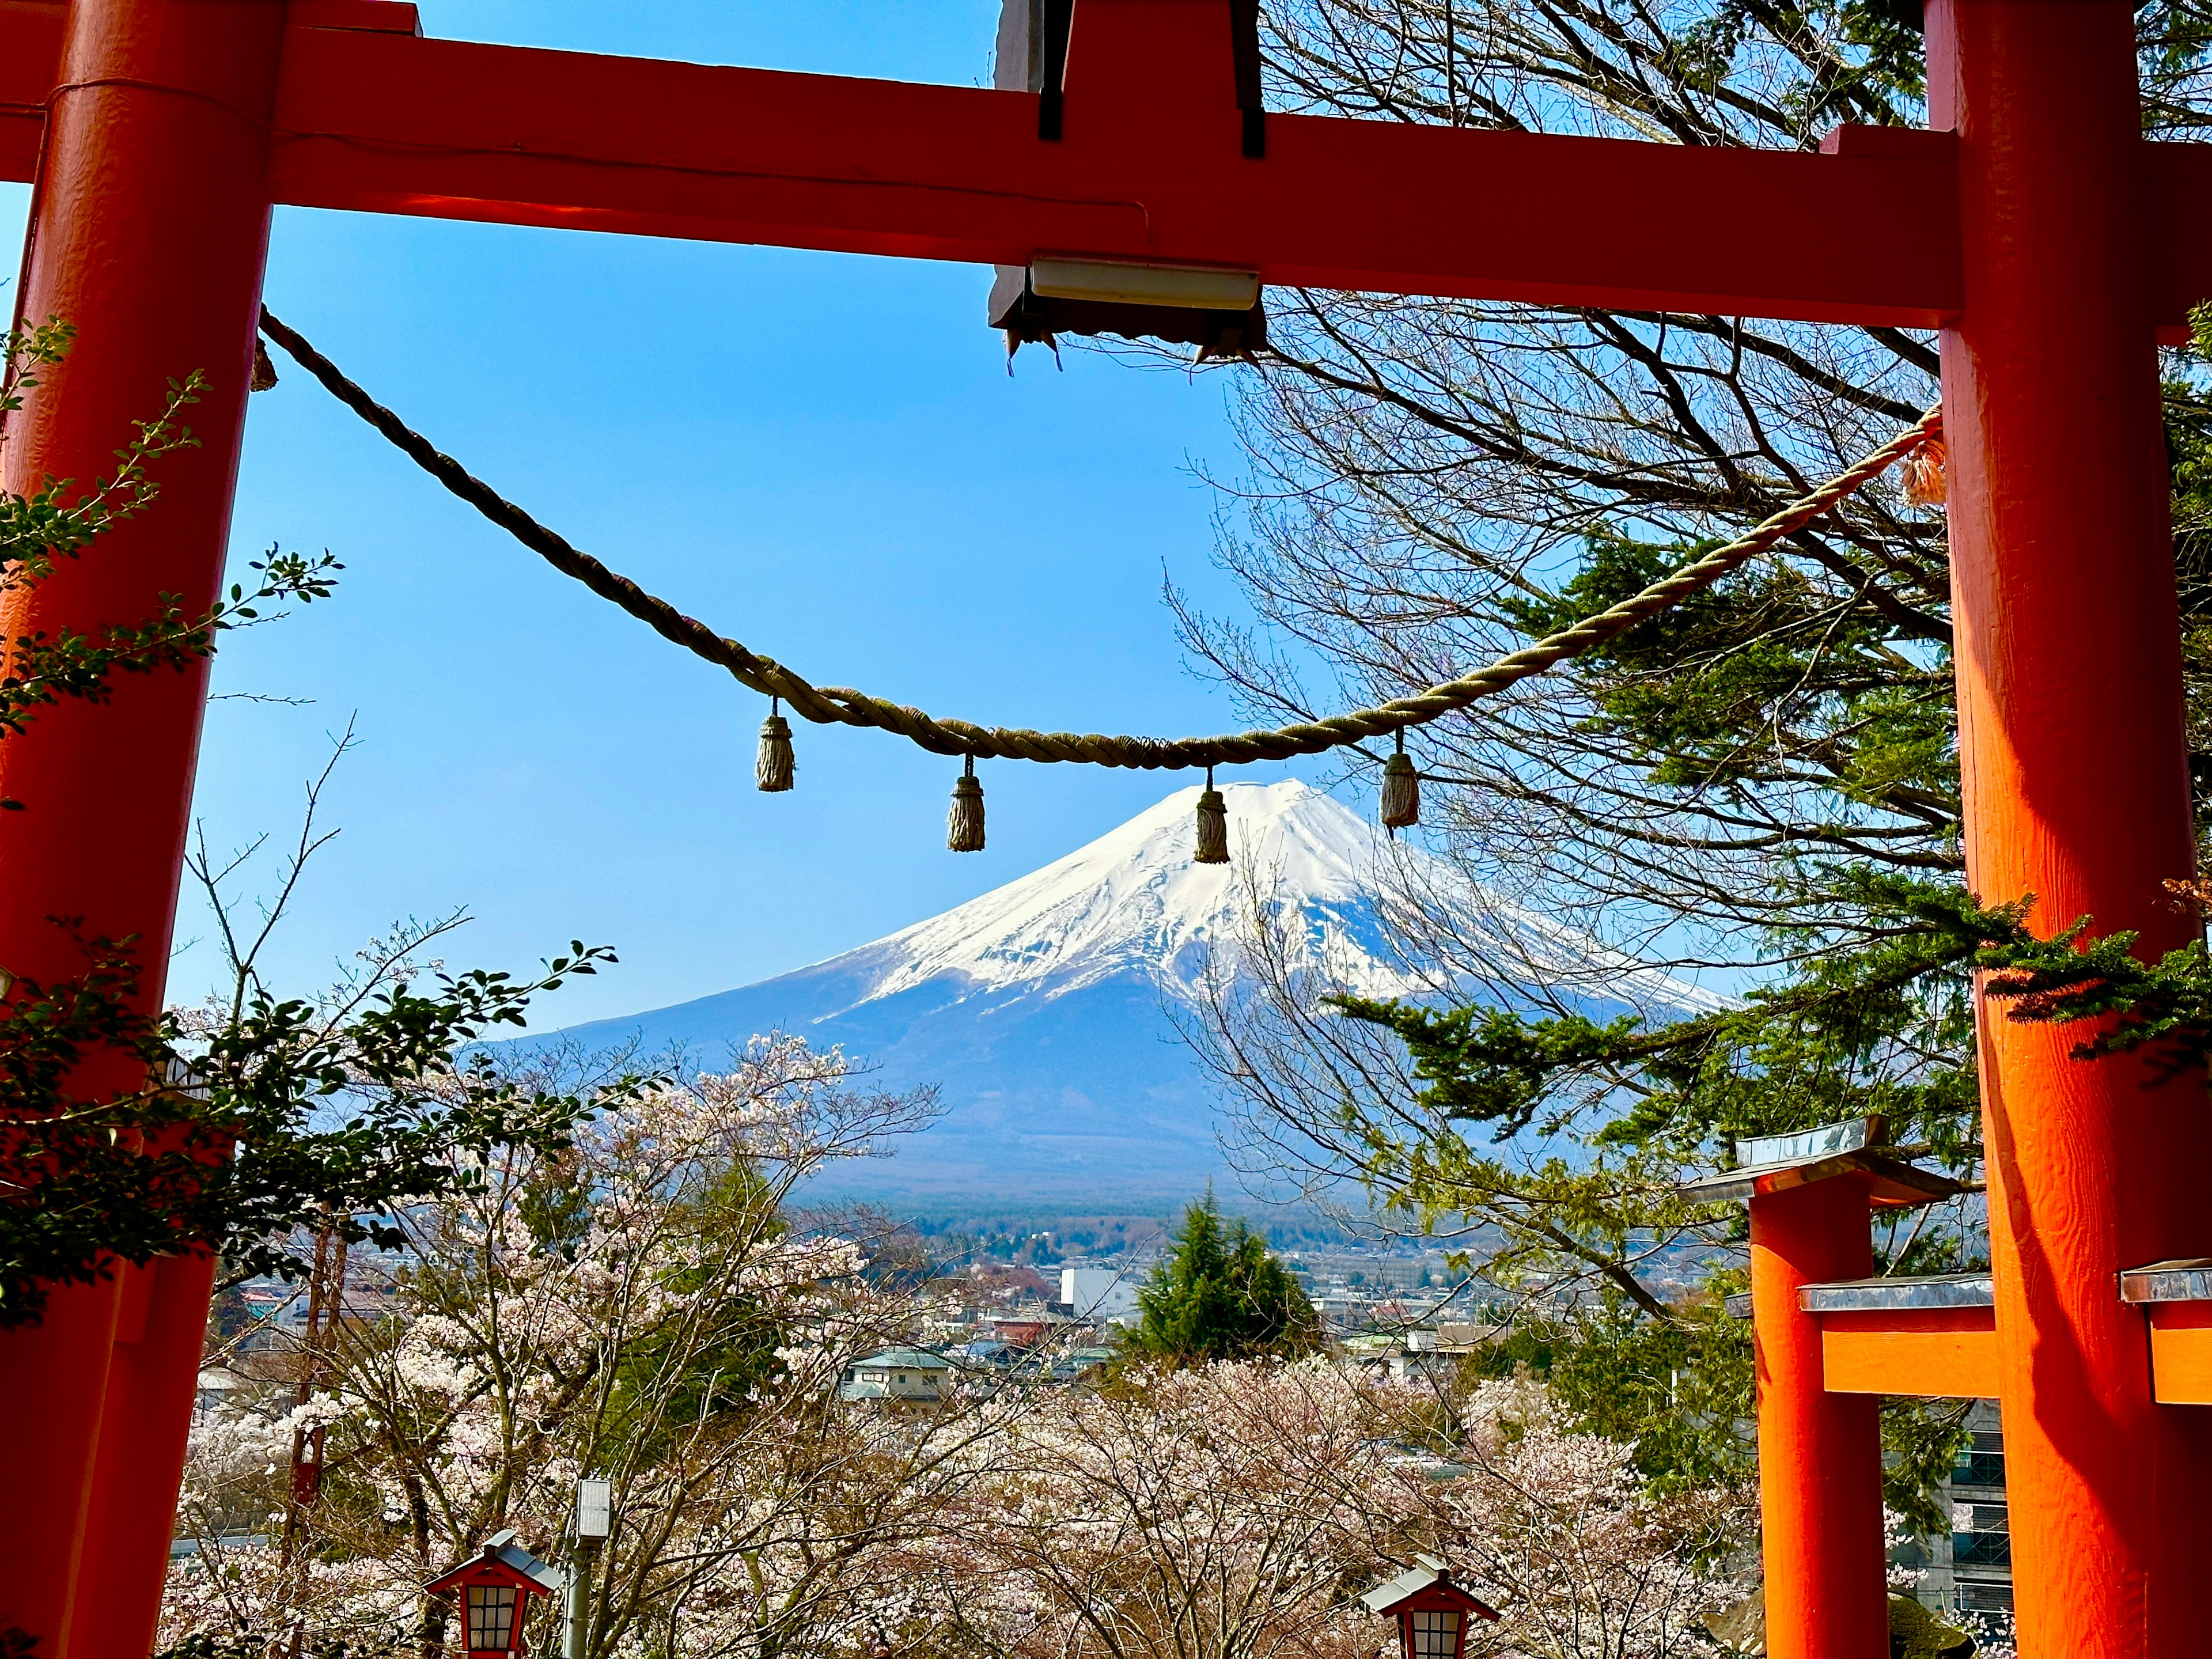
(1042, 1008)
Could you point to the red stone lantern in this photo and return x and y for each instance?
(1433, 1612)
(495, 1590)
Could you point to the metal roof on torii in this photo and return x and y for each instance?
(2035, 226)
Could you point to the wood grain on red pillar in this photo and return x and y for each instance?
(2076, 791)
(1819, 1454)
(150, 223)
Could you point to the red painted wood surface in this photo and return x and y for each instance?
(1935, 1353)
(153, 1374)
(2069, 693)
(148, 235)
(459, 131)
(1819, 1454)
(30, 55)
(372, 118)
(2181, 1352)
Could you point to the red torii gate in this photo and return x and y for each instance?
(2032, 224)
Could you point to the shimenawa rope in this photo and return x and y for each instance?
(840, 705)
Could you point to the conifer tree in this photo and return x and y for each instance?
(1222, 1296)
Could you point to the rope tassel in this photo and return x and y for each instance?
(1401, 790)
(775, 767)
(1212, 825)
(1926, 469)
(963, 828)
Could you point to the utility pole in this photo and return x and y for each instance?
(327, 1308)
(595, 1504)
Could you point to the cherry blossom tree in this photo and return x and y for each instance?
(638, 1308)
(1223, 1509)
(1233, 1511)
(1558, 1530)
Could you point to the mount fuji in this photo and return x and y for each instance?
(1044, 1010)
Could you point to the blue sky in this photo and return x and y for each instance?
(821, 455)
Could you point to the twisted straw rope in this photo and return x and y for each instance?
(828, 704)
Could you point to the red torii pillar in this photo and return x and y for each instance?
(2076, 791)
(1819, 1454)
(173, 124)
(1811, 1195)
(149, 226)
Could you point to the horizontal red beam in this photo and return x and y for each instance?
(448, 129)
(1944, 1353)
(391, 123)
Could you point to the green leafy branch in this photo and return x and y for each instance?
(55, 523)
(250, 1127)
(1479, 1064)
(44, 668)
(131, 1135)
(52, 523)
(2165, 1006)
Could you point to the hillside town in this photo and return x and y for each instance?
(1011, 1325)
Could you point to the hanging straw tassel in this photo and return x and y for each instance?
(1212, 825)
(964, 829)
(265, 372)
(774, 768)
(1926, 483)
(1401, 790)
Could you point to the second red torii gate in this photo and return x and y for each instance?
(2033, 224)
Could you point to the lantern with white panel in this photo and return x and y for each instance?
(496, 1589)
(1433, 1612)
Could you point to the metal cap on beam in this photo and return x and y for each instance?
(2187, 1280)
(1899, 1293)
(1129, 282)
(1775, 1164)
(1217, 309)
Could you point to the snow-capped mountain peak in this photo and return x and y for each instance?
(1044, 1011)
(1135, 900)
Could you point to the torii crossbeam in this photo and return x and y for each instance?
(2033, 225)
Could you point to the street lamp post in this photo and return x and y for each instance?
(595, 1508)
